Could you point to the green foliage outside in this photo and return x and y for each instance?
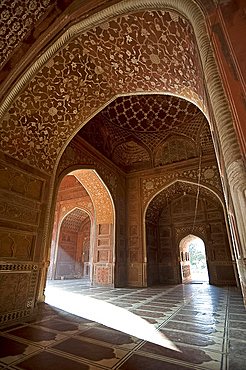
(197, 257)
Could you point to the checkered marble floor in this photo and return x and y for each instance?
(189, 326)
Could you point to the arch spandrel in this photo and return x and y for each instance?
(98, 193)
(143, 52)
(73, 219)
(86, 207)
(210, 179)
(176, 189)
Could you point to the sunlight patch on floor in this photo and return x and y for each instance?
(106, 314)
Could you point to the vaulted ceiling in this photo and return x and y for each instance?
(74, 220)
(145, 131)
(23, 23)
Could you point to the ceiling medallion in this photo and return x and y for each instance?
(149, 185)
(209, 173)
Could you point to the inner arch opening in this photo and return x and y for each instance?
(193, 261)
(83, 234)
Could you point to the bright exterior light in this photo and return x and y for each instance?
(106, 314)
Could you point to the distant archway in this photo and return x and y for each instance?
(169, 218)
(74, 247)
(83, 234)
(193, 260)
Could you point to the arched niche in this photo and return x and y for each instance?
(170, 216)
(131, 155)
(83, 192)
(175, 149)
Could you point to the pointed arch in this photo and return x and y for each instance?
(193, 259)
(100, 208)
(169, 217)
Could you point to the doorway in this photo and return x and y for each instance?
(193, 260)
(74, 247)
(83, 234)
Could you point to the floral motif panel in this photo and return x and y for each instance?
(143, 52)
(16, 19)
(99, 194)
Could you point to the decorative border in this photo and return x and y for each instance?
(9, 317)
(29, 268)
(17, 267)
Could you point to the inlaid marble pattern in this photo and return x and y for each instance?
(205, 328)
(177, 189)
(149, 130)
(147, 51)
(209, 175)
(16, 20)
(99, 194)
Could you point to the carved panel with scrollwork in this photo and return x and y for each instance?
(17, 290)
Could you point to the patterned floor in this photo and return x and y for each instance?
(196, 326)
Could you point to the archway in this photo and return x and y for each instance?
(193, 260)
(72, 240)
(83, 235)
(73, 252)
(169, 219)
(52, 106)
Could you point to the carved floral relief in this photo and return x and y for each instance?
(146, 51)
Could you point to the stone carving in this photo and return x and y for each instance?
(102, 275)
(103, 256)
(130, 153)
(209, 173)
(103, 229)
(134, 256)
(134, 131)
(98, 192)
(216, 228)
(18, 213)
(20, 182)
(16, 245)
(175, 149)
(17, 290)
(13, 291)
(178, 188)
(149, 185)
(134, 241)
(133, 230)
(190, 174)
(17, 19)
(92, 68)
(197, 230)
(102, 242)
(133, 274)
(75, 154)
(78, 204)
(152, 114)
(74, 220)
